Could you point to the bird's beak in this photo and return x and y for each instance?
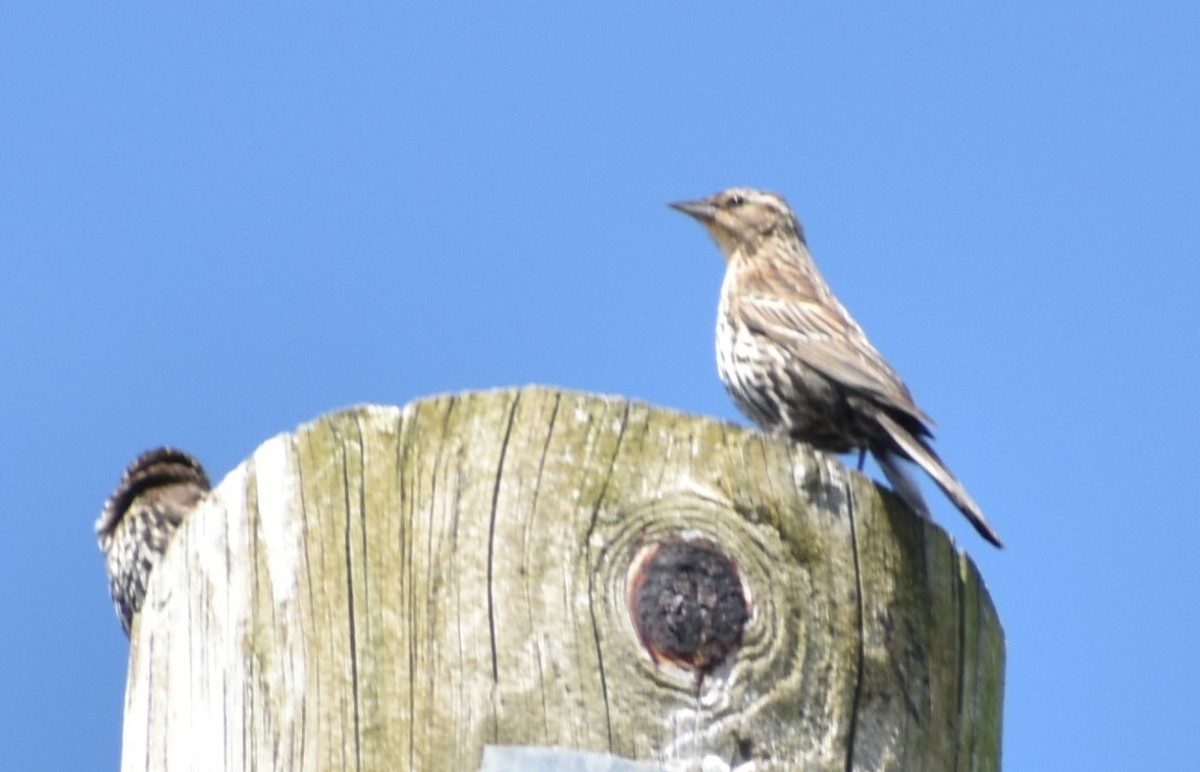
(702, 210)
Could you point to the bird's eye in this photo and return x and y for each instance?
(736, 200)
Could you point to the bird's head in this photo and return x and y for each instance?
(741, 218)
(161, 469)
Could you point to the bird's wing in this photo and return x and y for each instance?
(832, 344)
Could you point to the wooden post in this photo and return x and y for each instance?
(390, 589)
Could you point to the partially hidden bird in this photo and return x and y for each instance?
(158, 490)
(795, 361)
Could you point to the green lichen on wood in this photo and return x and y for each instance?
(397, 588)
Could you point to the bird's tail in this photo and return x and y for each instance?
(924, 456)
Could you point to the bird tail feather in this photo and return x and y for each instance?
(924, 456)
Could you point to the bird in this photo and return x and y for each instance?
(157, 491)
(795, 361)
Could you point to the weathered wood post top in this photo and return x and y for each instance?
(398, 588)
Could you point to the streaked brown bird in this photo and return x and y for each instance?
(795, 361)
(156, 493)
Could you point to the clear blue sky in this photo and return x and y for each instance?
(218, 224)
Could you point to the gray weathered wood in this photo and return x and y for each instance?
(397, 588)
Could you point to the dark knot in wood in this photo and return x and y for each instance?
(687, 603)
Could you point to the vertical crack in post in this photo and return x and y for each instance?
(961, 586)
(858, 684)
(526, 551)
(405, 430)
(150, 697)
(362, 519)
(491, 550)
(253, 673)
(591, 571)
(350, 603)
(307, 635)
